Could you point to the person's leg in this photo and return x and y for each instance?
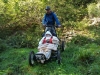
(54, 31)
(48, 29)
(47, 54)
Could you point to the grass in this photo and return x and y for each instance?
(76, 60)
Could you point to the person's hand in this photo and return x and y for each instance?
(59, 26)
(44, 25)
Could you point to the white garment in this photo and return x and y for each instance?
(45, 51)
(47, 47)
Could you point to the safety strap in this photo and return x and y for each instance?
(50, 41)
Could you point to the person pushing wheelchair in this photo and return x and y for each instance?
(49, 20)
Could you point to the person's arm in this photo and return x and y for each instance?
(57, 20)
(55, 40)
(43, 20)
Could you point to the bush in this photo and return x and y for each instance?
(81, 40)
(3, 46)
(93, 10)
(22, 40)
(97, 41)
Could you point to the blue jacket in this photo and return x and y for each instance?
(50, 19)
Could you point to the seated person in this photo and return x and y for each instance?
(48, 43)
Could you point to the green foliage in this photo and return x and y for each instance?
(94, 10)
(79, 25)
(5, 1)
(94, 69)
(22, 40)
(95, 32)
(22, 15)
(3, 46)
(81, 40)
(84, 58)
(12, 58)
(97, 41)
(79, 3)
(6, 31)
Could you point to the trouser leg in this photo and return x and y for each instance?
(54, 32)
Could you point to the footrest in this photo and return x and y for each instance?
(40, 56)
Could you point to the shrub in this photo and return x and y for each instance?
(3, 45)
(81, 40)
(93, 10)
(97, 41)
(22, 40)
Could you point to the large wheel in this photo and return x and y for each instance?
(58, 57)
(62, 46)
(32, 58)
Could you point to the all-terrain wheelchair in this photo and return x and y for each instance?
(56, 55)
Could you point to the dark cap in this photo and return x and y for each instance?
(47, 8)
